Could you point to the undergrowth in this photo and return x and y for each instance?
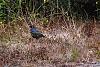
(65, 41)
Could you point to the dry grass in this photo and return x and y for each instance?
(65, 42)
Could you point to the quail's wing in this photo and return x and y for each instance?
(34, 30)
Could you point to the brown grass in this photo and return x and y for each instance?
(65, 42)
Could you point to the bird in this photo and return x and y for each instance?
(35, 33)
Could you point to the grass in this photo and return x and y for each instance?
(75, 54)
(65, 42)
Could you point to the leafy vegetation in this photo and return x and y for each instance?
(12, 9)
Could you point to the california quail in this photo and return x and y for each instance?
(35, 33)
